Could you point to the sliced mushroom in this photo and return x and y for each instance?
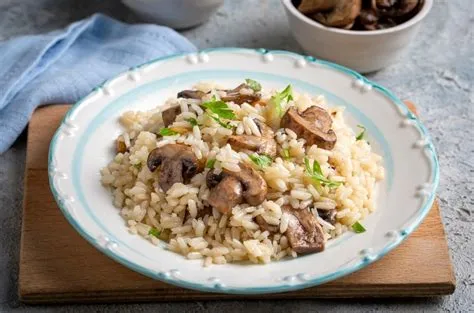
(120, 146)
(314, 125)
(177, 163)
(237, 97)
(227, 194)
(369, 19)
(304, 233)
(169, 115)
(382, 14)
(207, 210)
(191, 94)
(254, 186)
(396, 8)
(264, 225)
(227, 189)
(343, 15)
(383, 3)
(313, 6)
(265, 144)
(360, 14)
(328, 215)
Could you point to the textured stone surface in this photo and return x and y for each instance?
(438, 75)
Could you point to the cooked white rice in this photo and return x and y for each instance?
(220, 238)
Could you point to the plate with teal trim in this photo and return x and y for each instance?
(81, 147)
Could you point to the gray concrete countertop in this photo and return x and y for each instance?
(438, 75)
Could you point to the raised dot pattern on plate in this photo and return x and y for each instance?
(69, 128)
(367, 254)
(203, 57)
(193, 59)
(300, 63)
(106, 243)
(133, 75)
(107, 90)
(362, 85)
(268, 57)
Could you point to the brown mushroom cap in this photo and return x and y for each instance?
(360, 14)
(313, 6)
(328, 215)
(343, 15)
(264, 226)
(235, 96)
(396, 8)
(225, 194)
(304, 233)
(265, 144)
(382, 14)
(369, 19)
(314, 125)
(177, 162)
(169, 115)
(254, 186)
(191, 94)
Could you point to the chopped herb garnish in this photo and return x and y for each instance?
(261, 160)
(138, 166)
(285, 95)
(210, 163)
(167, 132)
(154, 232)
(220, 108)
(223, 124)
(192, 121)
(358, 228)
(316, 174)
(362, 133)
(286, 154)
(253, 84)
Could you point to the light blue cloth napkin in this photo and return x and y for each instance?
(63, 66)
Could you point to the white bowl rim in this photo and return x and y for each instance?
(364, 261)
(428, 4)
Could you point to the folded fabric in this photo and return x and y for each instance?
(63, 66)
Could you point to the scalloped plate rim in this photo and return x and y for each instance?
(283, 287)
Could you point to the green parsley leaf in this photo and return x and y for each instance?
(307, 166)
(358, 228)
(285, 95)
(255, 85)
(362, 133)
(261, 160)
(286, 154)
(220, 108)
(167, 132)
(192, 121)
(154, 232)
(210, 163)
(316, 174)
(223, 124)
(138, 166)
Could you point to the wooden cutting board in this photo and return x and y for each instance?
(57, 265)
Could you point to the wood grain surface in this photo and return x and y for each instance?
(57, 265)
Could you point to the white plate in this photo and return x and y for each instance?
(84, 144)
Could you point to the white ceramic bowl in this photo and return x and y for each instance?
(363, 51)
(178, 14)
(83, 145)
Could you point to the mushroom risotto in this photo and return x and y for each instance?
(229, 175)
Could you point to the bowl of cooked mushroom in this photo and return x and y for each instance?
(365, 35)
